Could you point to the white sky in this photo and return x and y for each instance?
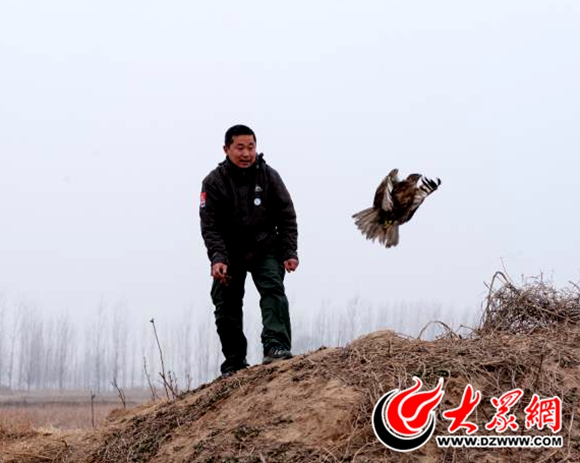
(111, 113)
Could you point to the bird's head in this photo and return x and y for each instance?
(413, 178)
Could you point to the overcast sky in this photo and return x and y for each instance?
(112, 112)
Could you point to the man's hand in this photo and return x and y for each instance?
(290, 265)
(219, 272)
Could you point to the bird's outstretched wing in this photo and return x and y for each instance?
(425, 186)
(383, 195)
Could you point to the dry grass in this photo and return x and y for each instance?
(55, 415)
(66, 410)
(14, 426)
(44, 426)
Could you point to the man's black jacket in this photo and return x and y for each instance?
(247, 213)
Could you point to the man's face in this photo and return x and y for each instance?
(242, 151)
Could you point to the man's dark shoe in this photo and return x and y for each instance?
(229, 371)
(276, 353)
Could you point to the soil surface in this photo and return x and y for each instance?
(318, 407)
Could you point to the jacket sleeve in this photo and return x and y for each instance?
(285, 218)
(210, 227)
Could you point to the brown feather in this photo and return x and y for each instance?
(394, 204)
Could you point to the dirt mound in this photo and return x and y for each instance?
(318, 407)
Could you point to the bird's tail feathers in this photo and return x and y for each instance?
(368, 223)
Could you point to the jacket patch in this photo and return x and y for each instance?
(258, 191)
(202, 197)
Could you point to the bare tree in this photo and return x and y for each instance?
(99, 348)
(321, 325)
(15, 333)
(117, 341)
(2, 335)
(93, 395)
(166, 380)
(207, 348)
(86, 373)
(120, 392)
(148, 377)
(348, 324)
(31, 348)
(184, 348)
(48, 370)
(64, 338)
(132, 363)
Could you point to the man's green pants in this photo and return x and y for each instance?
(268, 275)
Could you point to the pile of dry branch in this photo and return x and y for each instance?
(536, 304)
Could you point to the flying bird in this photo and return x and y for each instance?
(395, 203)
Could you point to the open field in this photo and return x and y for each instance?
(61, 409)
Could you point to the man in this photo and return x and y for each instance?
(248, 224)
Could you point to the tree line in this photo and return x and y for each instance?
(43, 350)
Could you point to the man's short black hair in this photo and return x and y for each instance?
(238, 130)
